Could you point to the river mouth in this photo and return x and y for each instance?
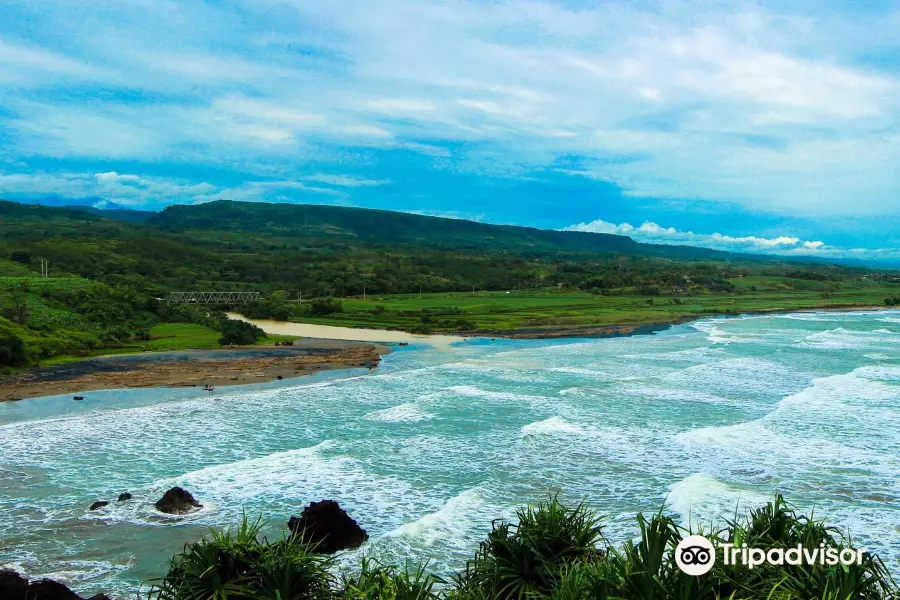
(431, 447)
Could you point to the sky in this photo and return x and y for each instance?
(750, 126)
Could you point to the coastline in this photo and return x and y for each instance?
(259, 364)
(623, 329)
(193, 368)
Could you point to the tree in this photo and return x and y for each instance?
(18, 295)
(240, 333)
(325, 306)
(12, 352)
(20, 256)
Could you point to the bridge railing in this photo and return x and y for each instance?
(212, 297)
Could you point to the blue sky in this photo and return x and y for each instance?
(767, 126)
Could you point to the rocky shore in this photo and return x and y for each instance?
(227, 366)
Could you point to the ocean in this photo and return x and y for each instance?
(702, 419)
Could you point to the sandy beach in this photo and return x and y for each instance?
(217, 367)
(331, 332)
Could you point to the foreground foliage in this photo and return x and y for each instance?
(551, 552)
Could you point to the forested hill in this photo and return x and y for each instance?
(336, 251)
(107, 269)
(284, 223)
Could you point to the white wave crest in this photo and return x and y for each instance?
(402, 413)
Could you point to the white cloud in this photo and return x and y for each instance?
(770, 109)
(653, 233)
(132, 190)
(24, 64)
(116, 177)
(241, 107)
(400, 105)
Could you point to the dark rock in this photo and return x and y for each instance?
(12, 585)
(279, 377)
(177, 501)
(99, 504)
(329, 527)
(15, 587)
(124, 497)
(47, 589)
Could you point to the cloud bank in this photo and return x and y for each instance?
(645, 109)
(783, 245)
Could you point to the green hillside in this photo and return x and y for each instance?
(416, 272)
(287, 223)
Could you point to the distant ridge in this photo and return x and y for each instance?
(291, 224)
(115, 212)
(282, 221)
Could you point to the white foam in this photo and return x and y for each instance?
(457, 514)
(402, 413)
(553, 426)
(701, 498)
(504, 397)
(847, 339)
(811, 317)
(747, 375)
(690, 355)
(824, 427)
(717, 335)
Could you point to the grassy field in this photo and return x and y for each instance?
(560, 309)
(9, 268)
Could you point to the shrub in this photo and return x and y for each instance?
(12, 352)
(240, 333)
(380, 582)
(282, 312)
(240, 566)
(524, 560)
(551, 552)
(325, 306)
(20, 256)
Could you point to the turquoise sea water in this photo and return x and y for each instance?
(433, 446)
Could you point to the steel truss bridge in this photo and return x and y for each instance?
(212, 297)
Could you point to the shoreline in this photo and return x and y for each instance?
(624, 329)
(260, 364)
(192, 368)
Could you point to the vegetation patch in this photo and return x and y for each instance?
(550, 551)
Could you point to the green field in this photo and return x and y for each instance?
(558, 309)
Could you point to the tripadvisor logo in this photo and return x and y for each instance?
(695, 555)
